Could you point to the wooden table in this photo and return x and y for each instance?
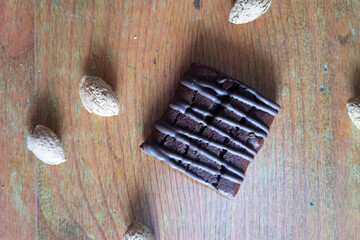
(304, 54)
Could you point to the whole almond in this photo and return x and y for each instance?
(245, 11)
(353, 107)
(98, 97)
(46, 145)
(138, 231)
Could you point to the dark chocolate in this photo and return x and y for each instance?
(213, 129)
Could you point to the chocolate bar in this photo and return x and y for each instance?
(212, 130)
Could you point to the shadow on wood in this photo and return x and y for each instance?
(140, 212)
(48, 113)
(248, 65)
(98, 63)
(356, 79)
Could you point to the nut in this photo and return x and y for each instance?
(98, 97)
(353, 107)
(245, 11)
(46, 145)
(138, 231)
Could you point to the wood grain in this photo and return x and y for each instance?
(17, 85)
(305, 182)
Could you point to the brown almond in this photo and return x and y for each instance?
(98, 97)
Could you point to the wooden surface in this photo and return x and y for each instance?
(304, 54)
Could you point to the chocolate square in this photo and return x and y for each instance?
(213, 129)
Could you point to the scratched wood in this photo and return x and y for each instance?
(304, 54)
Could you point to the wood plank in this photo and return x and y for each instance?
(305, 182)
(17, 71)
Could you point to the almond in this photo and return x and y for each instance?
(245, 11)
(46, 145)
(98, 97)
(138, 231)
(353, 107)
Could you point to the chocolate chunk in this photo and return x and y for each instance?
(212, 129)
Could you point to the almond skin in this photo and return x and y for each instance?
(245, 11)
(46, 145)
(353, 107)
(138, 231)
(98, 97)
